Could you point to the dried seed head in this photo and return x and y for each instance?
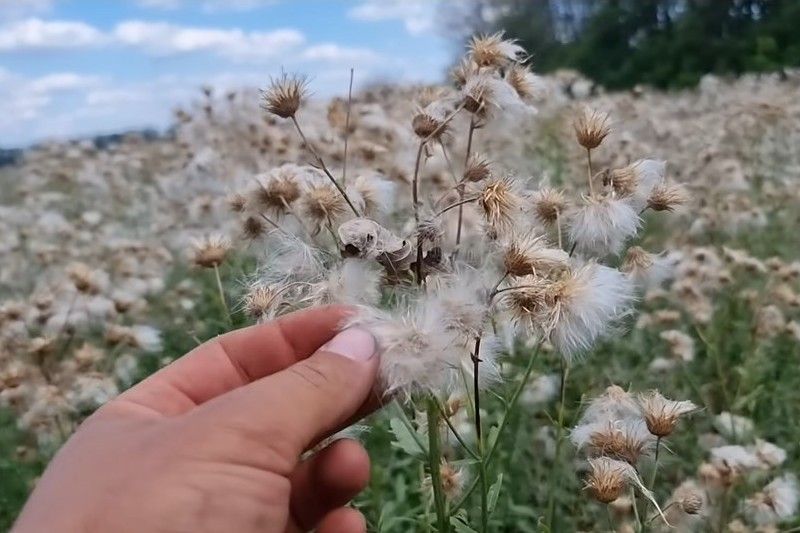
(478, 168)
(637, 258)
(83, 278)
(278, 190)
(524, 82)
(500, 202)
(622, 180)
(591, 127)
(529, 255)
(607, 479)
(323, 204)
(210, 251)
(462, 72)
(477, 96)
(661, 414)
(237, 202)
(691, 503)
(494, 51)
(666, 197)
(252, 228)
(425, 126)
(259, 300)
(548, 204)
(621, 440)
(452, 481)
(284, 95)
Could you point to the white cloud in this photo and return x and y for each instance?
(208, 5)
(38, 34)
(62, 81)
(417, 15)
(161, 38)
(331, 52)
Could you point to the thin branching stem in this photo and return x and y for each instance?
(472, 127)
(323, 166)
(415, 200)
(589, 169)
(221, 293)
(467, 448)
(347, 128)
(460, 203)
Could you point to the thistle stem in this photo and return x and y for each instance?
(510, 409)
(435, 464)
(222, 295)
(347, 128)
(479, 435)
(324, 167)
(461, 188)
(589, 169)
(558, 228)
(415, 200)
(551, 505)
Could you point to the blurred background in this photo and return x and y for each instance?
(73, 68)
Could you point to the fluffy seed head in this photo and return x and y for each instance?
(494, 51)
(665, 197)
(83, 278)
(210, 251)
(284, 95)
(662, 414)
(548, 204)
(500, 202)
(237, 202)
(591, 127)
(322, 204)
(425, 126)
(607, 479)
(526, 84)
(252, 228)
(530, 255)
(277, 190)
(260, 300)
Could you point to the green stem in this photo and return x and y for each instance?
(435, 464)
(655, 465)
(479, 436)
(222, 296)
(510, 408)
(457, 435)
(554, 477)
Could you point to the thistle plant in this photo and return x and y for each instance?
(451, 276)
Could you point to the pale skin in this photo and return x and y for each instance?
(213, 442)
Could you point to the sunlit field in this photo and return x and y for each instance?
(588, 302)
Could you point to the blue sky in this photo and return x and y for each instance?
(78, 67)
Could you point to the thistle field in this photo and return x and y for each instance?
(109, 272)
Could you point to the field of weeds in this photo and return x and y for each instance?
(535, 257)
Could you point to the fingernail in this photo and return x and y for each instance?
(354, 343)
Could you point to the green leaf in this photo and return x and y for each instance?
(405, 440)
(491, 439)
(494, 493)
(460, 526)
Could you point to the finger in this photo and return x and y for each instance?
(295, 407)
(235, 359)
(327, 481)
(343, 520)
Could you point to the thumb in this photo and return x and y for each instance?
(294, 408)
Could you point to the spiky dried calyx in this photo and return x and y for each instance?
(237, 202)
(636, 258)
(549, 204)
(259, 300)
(322, 204)
(591, 127)
(661, 414)
(278, 193)
(607, 480)
(494, 51)
(253, 228)
(284, 95)
(499, 202)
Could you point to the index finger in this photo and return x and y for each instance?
(236, 359)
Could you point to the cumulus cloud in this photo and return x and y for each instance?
(417, 15)
(161, 38)
(335, 53)
(38, 34)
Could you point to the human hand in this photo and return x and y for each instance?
(213, 441)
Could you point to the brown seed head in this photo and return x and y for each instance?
(211, 251)
(237, 202)
(637, 258)
(452, 481)
(519, 78)
(494, 51)
(549, 204)
(284, 95)
(260, 299)
(666, 197)
(83, 278)
(660, 414)
(607, 480)
(478, 168)
(253, 228)
(462, 72)
(622, 180)
(500, 203)
(425, 126)
(619, 442)
(322, 204)
(591, 127)
(691, 503)
(278, 192)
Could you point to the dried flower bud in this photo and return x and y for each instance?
(425, 126)
(237, 202)
(500, 202)
(252, 228)
(548, 204)
(494, 51)
(83, 278)
(591, 127)
(259, 300)
(691, 503)
(661, 414)
(452, 481)
(607, 479)
(284, 95)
